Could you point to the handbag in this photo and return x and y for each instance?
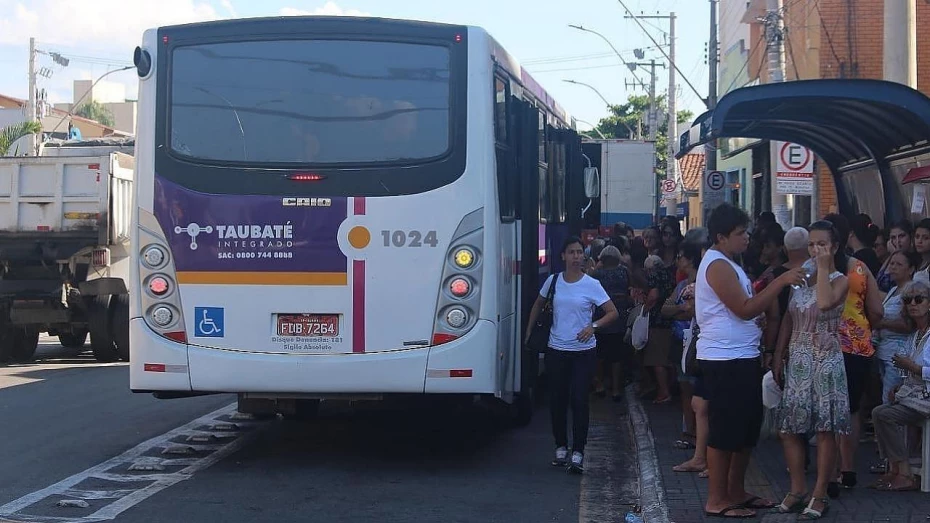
(539, 336)
(689, 358)
(640, 333)
(914, 397)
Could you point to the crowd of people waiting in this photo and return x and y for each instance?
(830, 319)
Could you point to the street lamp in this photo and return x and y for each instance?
(632, 67)
(589, 86)
(593, 127)
(89, 91)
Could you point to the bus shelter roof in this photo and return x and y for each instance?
(848, 123)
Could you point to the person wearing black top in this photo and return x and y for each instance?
(862, 236)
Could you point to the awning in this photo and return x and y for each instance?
(848, 123)
(917, 174)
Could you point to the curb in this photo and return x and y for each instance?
(651, 489)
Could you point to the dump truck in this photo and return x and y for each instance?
(64, 251)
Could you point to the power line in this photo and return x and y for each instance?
(572, 58)
(583, 68)
(827, 33)
(746, 63)
(794, 63)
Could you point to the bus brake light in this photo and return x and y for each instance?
(459, 287)
(306, 177)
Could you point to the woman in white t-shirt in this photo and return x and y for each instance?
(571, 359)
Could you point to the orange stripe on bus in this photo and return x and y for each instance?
(264, 278)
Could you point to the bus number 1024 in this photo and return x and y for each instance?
(409, 238)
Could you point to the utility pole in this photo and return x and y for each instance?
(671, 173)
(710, 149)
(775, 45)
(900, 42)
(31, 106)
(652, 120)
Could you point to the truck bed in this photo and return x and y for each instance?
(70, 198)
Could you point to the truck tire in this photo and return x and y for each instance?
(6, 344)
(74, 340)
(99, 323)
(25, 343)
(120, 325)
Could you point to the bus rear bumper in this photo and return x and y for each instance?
(164, 366)
(467, 365)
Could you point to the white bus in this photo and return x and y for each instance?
(341, 208)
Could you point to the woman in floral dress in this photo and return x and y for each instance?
(815, 397)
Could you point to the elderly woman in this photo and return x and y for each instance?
(614, 277)
(911, 404)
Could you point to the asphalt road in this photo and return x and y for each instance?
(71, 430)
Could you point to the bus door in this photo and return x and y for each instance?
(529, 169)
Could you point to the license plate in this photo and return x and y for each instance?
(308, 325)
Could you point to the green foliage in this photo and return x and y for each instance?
(8, 135)
(95, 111)
(624, 122)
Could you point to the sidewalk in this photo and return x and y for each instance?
(684, 493)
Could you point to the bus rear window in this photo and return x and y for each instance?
(310, 101)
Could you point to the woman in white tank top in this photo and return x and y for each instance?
(728, 356)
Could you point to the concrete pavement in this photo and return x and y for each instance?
(72, 430)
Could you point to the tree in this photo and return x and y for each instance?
(9, 135)
(624, 122)
(96, 111)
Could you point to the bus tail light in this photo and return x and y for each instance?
(459, 298)
(460, 287)
(161, 303)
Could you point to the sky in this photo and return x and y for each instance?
(100, 35)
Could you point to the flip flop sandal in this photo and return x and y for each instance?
(679, 468)
(704, 474)
(757, 503)
(725, 513)
(684, 444)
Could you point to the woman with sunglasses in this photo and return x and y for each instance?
(815, 398)
(911, 405)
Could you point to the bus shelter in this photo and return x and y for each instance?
(872, 135)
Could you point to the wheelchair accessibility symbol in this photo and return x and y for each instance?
(209, 322)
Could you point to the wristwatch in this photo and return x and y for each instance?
(594, 325)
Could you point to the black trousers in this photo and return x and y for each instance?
(570, 375)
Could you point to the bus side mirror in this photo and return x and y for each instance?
(143, 62)
(592, 183)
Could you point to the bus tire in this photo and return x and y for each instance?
(25, 343)
(6, 344)
(120, 325)
(522, 408)
(304, 410)
(99, 323)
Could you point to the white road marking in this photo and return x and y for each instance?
(124, 499)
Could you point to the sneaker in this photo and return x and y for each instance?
(577, 465)
(561, 457)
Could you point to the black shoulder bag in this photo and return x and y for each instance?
(539, 338)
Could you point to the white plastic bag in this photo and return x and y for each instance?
(686, 345)
(771, 392)
(640, 332)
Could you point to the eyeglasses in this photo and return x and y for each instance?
(917, 300)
